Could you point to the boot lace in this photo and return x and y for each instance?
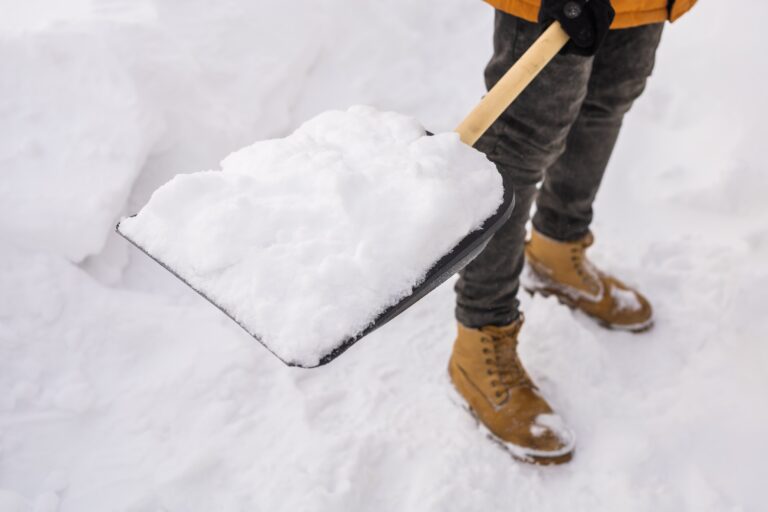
(584, 268)
(503, 363)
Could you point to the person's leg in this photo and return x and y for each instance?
(524, 141)
(619, 73)
(484, 366)
(556, 253)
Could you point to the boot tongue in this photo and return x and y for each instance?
(587, 241)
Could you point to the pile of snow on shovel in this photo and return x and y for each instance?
(305, 239)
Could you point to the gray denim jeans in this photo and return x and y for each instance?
(562, 130)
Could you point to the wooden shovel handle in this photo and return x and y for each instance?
(512, 84)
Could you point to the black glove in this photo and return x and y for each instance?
(585, 21)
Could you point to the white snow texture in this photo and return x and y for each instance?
(123, 390)
(306, 239)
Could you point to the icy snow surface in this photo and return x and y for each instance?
(306, 239)
(122, 390)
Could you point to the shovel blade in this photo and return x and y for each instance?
(448, 265)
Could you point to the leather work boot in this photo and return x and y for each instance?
(562, 269)
(487, 373)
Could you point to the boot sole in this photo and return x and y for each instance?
(517, 452)
(567, 301)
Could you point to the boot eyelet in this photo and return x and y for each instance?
(486, 351)
(499, 393)
(489, 371)
(489, 361)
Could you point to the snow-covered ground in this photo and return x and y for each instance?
(122, 390)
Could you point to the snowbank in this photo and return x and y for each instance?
(306, 239)
(78, 136)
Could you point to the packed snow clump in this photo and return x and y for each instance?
(626, 300)
(305, 239)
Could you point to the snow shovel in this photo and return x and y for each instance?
(470, 130)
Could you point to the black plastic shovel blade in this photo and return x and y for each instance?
(464, 252)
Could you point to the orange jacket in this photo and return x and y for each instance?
(629, 13)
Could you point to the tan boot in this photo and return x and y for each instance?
(562, 269)
(486, 371)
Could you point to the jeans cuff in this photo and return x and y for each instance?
(475, 319)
